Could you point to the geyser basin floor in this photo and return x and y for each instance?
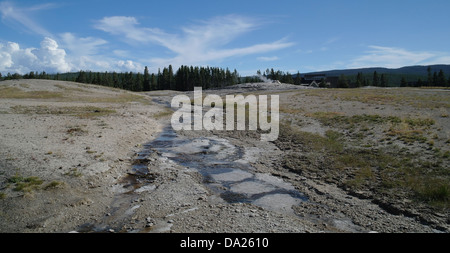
(220, 163)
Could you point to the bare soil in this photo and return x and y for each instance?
(68, 153)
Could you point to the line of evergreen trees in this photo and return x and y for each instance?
(437, 79)
(184, 79)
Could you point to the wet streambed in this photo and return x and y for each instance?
(225, 171)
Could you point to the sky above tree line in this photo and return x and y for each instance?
(290, 35)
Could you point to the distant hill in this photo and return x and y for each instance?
(413, 75)
(410, 70)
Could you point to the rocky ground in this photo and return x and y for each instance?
(69, 153)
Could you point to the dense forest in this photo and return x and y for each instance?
(186, 77)
(432, 79)
(411, 76)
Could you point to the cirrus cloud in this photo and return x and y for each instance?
(201, 43)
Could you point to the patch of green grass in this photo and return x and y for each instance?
(362, 176)
(16, 93)
(27, 184)
(315, 142)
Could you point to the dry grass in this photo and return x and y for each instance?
(77, 111)
(390, 170)
(16, 93)
(163, 114)
(72, 94)
(405, 96)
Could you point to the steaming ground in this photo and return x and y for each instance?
(70, 152)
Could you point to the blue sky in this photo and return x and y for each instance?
(305, 36)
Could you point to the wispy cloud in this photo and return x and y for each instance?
(81, 46)
(266, 58)
(22, 15)
(392, 57)
(199, 43)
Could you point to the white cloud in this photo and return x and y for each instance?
(52, 57)
(391, 57)
(5, 59)
(197, 44)
(49, 57)
(129, 65)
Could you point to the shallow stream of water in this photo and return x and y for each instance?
(225, 171)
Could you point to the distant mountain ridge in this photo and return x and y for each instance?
(408, 70)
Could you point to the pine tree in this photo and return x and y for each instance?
(159, 80)
(287, 78)
(171, 79)
(146, 84)
(419, 82)
(403, 82)
(154, 82)
(430, 77)
(115, 80)
(441, 81)
(298, 79)
(376, 79)
(138, 82)
(359, 80)
(435, 79)
(383, 81)
(31, 75)
(81, 77)
(343, 82)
